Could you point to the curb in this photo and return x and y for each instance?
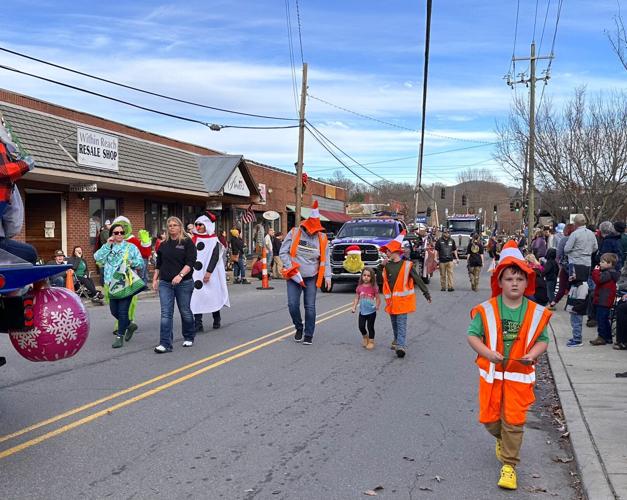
(596, 482)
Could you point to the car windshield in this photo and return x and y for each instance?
(466, 226)
(375, 230)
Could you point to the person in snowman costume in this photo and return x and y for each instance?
(210, 292)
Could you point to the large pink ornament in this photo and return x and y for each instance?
(61, 326)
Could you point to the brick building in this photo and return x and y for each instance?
(89, 169)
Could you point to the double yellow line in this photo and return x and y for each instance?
(261, 342)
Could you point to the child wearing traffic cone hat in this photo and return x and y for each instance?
(399, 278)
(305, 257)
(508, 333)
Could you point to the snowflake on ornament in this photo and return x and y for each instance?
(62, 324)
(27, 339)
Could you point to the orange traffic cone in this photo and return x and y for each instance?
(69, 279)
(265, 283)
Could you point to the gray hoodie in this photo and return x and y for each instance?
(13, 217)
(581, 244)
(307, 254)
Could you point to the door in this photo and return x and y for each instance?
(43, 223)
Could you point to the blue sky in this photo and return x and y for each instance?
(363, 55)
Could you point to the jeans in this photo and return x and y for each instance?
(550, 289)
(183, 295)
(576, 323)
(293, 304)
(604, 328)
(22, 250)
(399, 327)
(119, 309)
(144, 273)
(239, 267)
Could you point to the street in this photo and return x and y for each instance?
(247, 413)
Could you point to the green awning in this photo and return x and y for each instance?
(305, 212)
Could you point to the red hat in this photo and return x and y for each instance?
(511, 255)
(396, 245)
(352, 250)
(312, 224)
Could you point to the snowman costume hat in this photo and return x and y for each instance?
(212, 296)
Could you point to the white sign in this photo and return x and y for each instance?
(49, 224)
(262, 192)
(236, 184)
(48, 232)
(95, 149)
(84, 188)
(93, 227)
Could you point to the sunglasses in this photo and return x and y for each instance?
(117, 232)
(199, 224)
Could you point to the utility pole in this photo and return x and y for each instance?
(301, 147)
(531, 83)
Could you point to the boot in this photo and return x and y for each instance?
(364, 341)
(370, 345)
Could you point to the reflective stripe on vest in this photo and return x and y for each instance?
(525, 378)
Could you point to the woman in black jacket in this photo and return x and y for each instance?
(549, 273)
(81, 272)
(238, 258)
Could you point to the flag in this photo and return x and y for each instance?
(249, 216)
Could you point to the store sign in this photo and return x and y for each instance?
(263, 193)
(95, 149)
(236, 184)
(84, 188)
(329, 191)
(214, 205)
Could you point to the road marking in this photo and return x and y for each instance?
(151, 392)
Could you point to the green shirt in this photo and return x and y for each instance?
(511, 319)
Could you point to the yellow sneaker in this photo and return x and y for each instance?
(497, 450)
(508, 478)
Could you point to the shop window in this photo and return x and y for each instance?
(101, 210)
(191, 213)
(157, 214)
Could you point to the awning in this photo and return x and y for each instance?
(305, 212)
(335, 216)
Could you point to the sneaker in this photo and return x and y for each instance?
(393, 346)
(188, 343)
(118, 342)
(132, 328)
(298, 336)
(451, 289)
(443, 289)
(498, 450)
(237, 281)
(161, 349)
(598, 341)
(200, 328)
(245, 282)
(400, 352)
(574, 343)
(550, 307)
(591, 323)
(308, 341)
(216, 325)
(508, 478)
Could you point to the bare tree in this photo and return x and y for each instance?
(581, 152)
(475, 175)
(618, 39)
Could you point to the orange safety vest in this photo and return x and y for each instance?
(322, 238)
(402, 299)
(506, 389)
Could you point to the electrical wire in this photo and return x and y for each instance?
(548, 68)
(513, 61)
(546, 15)
(136, 89)
(535, 20)
(128, 103)
(300, 36)
(291, 50)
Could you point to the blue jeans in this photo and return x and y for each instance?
(399, 328)
(183, 295)
(550, 289)
(22, 250)
(576, 323)
(293, 304)
(119, 309)
(144, 273)
(239, 267)
(604, 329)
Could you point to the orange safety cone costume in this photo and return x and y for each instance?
(312, 226)
(506, 388)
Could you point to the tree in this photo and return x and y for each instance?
(618, 40)
(476, 174)
(581, 152)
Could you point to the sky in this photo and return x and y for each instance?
(362, 55)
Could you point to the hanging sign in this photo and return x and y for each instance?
(236, 184)
(95, 149)
(263, 192)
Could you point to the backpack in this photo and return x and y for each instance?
(578, 298)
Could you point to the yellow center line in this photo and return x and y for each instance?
(133, 388)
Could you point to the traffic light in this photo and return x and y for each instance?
(442, 193)
(428, 211)
(463, 200)
(495, 208)
(511, 206)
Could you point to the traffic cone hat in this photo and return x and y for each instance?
(312, 224)
(396, 245)
(511, 256)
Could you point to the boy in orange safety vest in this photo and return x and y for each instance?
(399, 277)
(508, 333)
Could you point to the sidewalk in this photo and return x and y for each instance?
(595, 407)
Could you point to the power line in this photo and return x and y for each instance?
(390, 124)
(136, 89)
(546, 15)
(290, 43)
(300, 36)
(535, 20)
(548, 68)
(144, 108)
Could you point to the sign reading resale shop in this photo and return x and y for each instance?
(95, 149)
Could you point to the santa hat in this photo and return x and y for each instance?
(396, 245)
(312, 224)
(352, 250)
(511, 255)
(209, 220)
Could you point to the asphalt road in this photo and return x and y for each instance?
(249, 414)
